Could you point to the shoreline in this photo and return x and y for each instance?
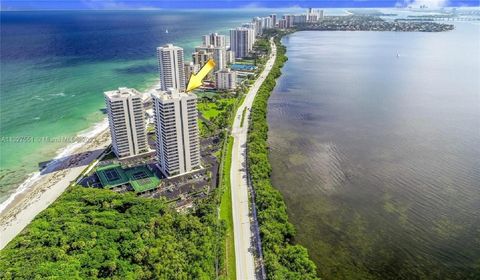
(42, 188)
(270, 204)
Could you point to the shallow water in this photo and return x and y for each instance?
(55, 67)
(378, 156)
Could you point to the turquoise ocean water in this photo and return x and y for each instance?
(55, 67)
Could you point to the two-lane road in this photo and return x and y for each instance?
(244, 248)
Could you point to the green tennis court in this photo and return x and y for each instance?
(140, 177)
(111, 176)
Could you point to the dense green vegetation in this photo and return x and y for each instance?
(210, 110)
(215, 112)
(226, 212)
(93, 233)
(283, 260)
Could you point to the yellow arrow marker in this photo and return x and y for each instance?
(196, 79)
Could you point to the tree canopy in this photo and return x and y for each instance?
(283, 260)
(91, 233)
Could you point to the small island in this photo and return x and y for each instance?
(373, 23)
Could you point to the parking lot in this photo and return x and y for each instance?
(182, 190)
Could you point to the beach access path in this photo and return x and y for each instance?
(244, 246)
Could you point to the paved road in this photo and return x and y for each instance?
(241, 218)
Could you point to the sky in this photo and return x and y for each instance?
(191, 4)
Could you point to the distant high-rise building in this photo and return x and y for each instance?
(282, 23)
(213, 39)
(252, 33)
(257, 21)
(226, 79)
(274, 19)
(267, 23)
(230, 57)
(170, 65)
(299, 19)
(201, 57)
(176, 128)
(289, 20)
(189, 69)
(314, 15)
(220, 58)
(126, 117)
(204, 53)
(241, 41)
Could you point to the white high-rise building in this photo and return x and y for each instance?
(220, 58)
(213, 39)
(274, 19)
(282, 23)
(299, 19)
(171, 67)
(314, 15)
(253, 32)
(226, 79)
(230, 57)
(241, 42)
(289, 20)
(190, 68)
(204, 53)
(126, 117)
(201, 57)
(267, 23)
(257, 21)
(176, 128)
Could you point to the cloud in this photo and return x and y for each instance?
(417, 3)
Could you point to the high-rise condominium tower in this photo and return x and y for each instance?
(274, 19)
(213, 39)
(127, 124)
(176, 128)
(171, 67)
(226, 79)
(241, 41)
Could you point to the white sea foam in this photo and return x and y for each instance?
(57, 94)
(36, 97)
(61, 153)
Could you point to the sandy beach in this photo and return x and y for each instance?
(43, 188)
(50, 184)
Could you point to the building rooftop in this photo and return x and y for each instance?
(169, 46)
(170, 94)
(123, 92)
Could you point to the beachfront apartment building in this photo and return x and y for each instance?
(314, 15)
(230, 57)
(201, 56)
(189, 69)
(253, 33)
(226, 79)
(203, 53)
(257, 24)
(282, 23)
(171, 67)
(126, 118)
(220, 57)
(274, 19)
(213, 39)
(241, 41)
(289, 20)
(176, 129)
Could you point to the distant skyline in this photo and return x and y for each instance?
(215, 4)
